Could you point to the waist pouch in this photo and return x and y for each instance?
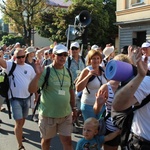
(139, 143)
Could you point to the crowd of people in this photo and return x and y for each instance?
(76, 85)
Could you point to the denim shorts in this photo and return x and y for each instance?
(20, 107)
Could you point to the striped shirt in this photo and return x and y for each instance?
(109, 123)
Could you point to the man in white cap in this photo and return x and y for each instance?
(57, 100)
(75, 63)
(146, 52)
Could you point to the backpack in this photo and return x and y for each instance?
(5, 86)
(4, 81)
(93, 77)
(45, 84)
(123, 120)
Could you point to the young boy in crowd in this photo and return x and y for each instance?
(91, 139)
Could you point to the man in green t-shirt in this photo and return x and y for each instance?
(57, 100)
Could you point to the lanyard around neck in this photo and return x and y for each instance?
(61, 83)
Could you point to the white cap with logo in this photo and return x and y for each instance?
(74, 44)
(145, 45)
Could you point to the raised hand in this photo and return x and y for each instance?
(93, 72)
(100, 101)
(38, 68)
(101, 97)
(141, 65)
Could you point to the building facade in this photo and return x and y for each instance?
(133, 21)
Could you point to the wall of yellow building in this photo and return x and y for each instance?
(128, 10)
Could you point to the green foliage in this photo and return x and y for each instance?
(3, 34)
(23, 15)
(11, 39)
(53, 24)
(55, 21)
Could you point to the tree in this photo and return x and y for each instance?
(22, 15)
(53, 24)
(55, 21)
(11, 39)
(105, 12)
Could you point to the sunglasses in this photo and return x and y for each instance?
(62, 54)
(19, 57)
(46, 53)
(74, 48)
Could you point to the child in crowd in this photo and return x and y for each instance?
(91, 139)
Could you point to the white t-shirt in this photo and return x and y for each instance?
(23, 74)
(141, 120)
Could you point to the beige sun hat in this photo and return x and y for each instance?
(107, 51)
(30, 50)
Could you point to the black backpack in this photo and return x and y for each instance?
(5, 86)
(123, 120)
(4, 81)
(93, 77)
(44, 85)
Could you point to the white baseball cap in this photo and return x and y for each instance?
(146, 44)
(95, 47)
(74, 44)
(60, 48)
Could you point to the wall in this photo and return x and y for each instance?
(40, 41)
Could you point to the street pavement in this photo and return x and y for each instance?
(30, 132)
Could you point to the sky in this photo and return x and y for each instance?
(0, 15)
(0, 11)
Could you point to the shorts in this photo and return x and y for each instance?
(49, 127)
(113, 142)
(20, 107)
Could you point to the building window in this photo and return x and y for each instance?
(136, 2)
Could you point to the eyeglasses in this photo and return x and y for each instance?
(62, 54)
(74, 48)
(19, 57)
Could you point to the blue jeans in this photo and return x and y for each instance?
(20, 108)
(87, 111)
